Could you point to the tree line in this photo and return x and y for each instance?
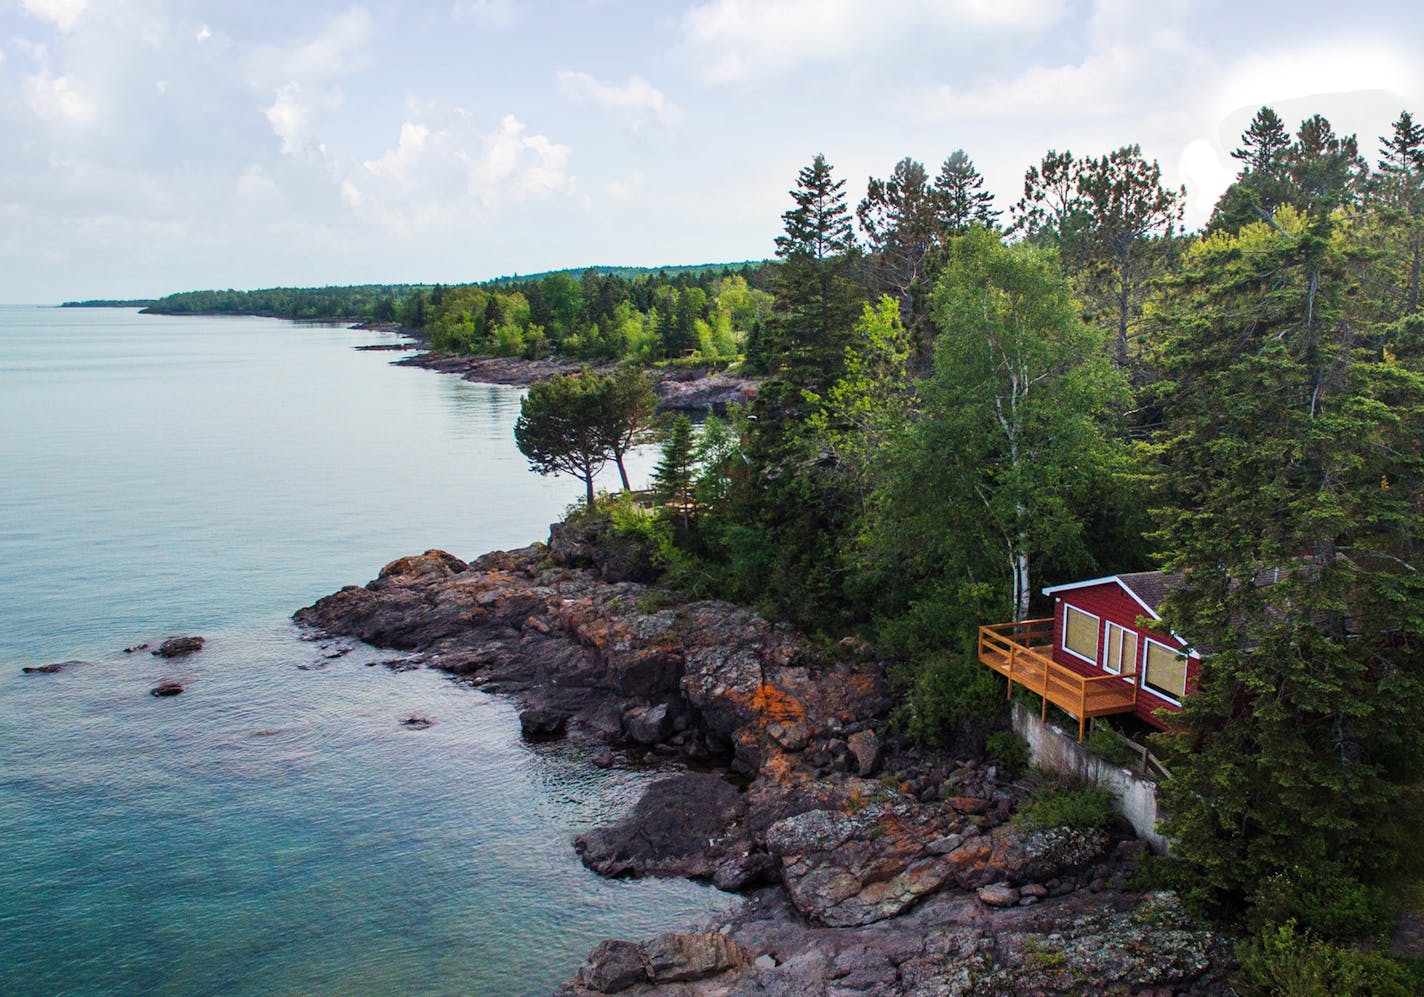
(959, 407)
(711, 314)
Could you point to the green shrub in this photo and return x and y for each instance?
(1286, 960)
(1008, 751)
(1110, 747)
(1087, 808)
(1322, 901)
(1159, 872)
(950, 701)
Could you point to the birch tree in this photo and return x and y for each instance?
(992, 480)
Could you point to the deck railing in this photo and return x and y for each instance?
(1022, 651)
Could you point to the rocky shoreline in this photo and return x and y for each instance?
(684, 389)
(867, 868)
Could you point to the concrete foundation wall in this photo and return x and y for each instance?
(1056, 751)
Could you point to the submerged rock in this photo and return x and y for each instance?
(164, 689)
(178, 647)
(50, 669)
(417, 723)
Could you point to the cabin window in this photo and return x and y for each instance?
(1080, 633)
(1121, 656)
(1166, 670)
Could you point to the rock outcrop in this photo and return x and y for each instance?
(543, 725)
(685, 389)
(614, 966)
(872, 869)
(683, 826)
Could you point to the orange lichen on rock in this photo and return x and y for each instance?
(775, 705)
(777, 768)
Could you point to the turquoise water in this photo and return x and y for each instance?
(273, 830)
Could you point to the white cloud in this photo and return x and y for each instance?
(339, 49)
(293, 111)
(526, 165)
(1342, 67)
(58, 97)
(399, 163)
(637, 100)
(256, 192)
(496, 14)
(63, 14)
(204, 33)
(436, 176)
(626, 190)
(733, 40)
(301, 76)
(1137, 56)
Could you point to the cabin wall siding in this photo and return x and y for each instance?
(1111, 604)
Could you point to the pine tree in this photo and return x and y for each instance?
(1326, 170)
(1397, 191)
(1264, 144)
(816, 301)
(564, 428)
(1109, 217)
(797, 504)
(898, 217)
(1263, 184)
(1292, 475)
(631, 403)
(676, 472)
(1128, 211)
(1051, 207)
(962, 201)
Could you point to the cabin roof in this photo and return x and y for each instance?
(1147, 588)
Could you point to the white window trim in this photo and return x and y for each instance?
(1152, 690)
(1064, 640)
(1107, 643)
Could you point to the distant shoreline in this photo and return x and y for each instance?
(110, 303)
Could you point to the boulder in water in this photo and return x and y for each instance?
(177, 647)
(50, 669)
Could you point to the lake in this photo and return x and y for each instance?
(274, 829)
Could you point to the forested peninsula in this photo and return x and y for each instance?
(958, 406)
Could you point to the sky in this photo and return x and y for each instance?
(152, 146)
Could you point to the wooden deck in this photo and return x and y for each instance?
(1023, 652)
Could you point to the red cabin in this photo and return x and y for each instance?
(1093, 657)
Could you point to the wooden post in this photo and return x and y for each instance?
(1082, 708)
